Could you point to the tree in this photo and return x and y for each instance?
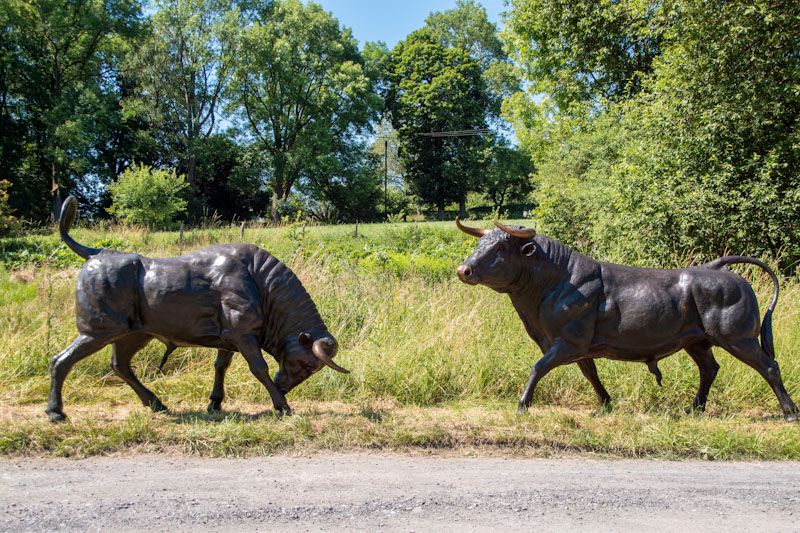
(722, 116)
(509, 174)
(433, 89)
(577, 58)
(144, 195)
(301, 88)
(700, 160)
(55, 92)
(230, 178)
(585, 50)
(467, 27)
(180, 73)
(345, 187)
(8, 223)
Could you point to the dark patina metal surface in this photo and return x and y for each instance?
(236, 298)
(578, 309)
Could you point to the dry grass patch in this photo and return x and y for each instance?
(247, 429)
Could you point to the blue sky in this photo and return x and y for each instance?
(391, 20)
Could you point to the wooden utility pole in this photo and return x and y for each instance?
(386, 179)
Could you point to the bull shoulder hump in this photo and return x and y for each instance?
(288, 307)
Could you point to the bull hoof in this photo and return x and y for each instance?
(215, 406)
(283, 411)
(522, 408)
(695, 410)
(56, 416)
(158, 407)
(790, 417)
(604, 409)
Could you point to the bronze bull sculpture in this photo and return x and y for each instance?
(235, 298)
(578, 309)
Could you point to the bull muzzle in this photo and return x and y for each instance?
(466, 274)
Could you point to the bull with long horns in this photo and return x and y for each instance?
(578, 309)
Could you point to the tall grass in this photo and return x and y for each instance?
(411, 334)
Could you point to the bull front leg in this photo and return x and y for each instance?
(223, 361)
(560, 353)
(250, 349)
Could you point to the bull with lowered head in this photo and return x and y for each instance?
(235, 298)
(577, 309)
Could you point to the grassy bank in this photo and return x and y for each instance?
(435, 364)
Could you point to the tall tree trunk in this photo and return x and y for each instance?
(55, 192)
(191, 167)
(462, 208)
(273, 213)
(440, 209)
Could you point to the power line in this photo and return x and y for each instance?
(456, 133)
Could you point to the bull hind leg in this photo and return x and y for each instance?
(121, 355)
(750, 352)
(589, 370)
(703, 357)
(82, 347)
(221, 365)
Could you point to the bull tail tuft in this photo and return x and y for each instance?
(68, 211)
(766, 325)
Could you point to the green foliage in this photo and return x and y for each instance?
(433, 89)
(467, 27)
(585, 50)
(723, 112)
(8, 223)
(303, 91)
(148, 196)
(700, 161)
(508, 174)
(228, 181)
(58, 92)
(347, 187)
(179, 74)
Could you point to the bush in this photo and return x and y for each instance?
(702, 162)
(147, 196)
(8, 224)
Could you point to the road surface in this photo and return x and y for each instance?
(366, 492)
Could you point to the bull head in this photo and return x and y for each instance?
(500, 256)
(304, 356)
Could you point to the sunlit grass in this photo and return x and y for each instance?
(449, 359)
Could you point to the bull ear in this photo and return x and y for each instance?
(528, 249)
(305, 340)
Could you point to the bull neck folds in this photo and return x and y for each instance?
(543, 273)
(288, 308)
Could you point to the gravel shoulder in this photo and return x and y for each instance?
(365, 492)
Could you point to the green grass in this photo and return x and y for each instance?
(435, 364)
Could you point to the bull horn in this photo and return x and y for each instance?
(524, 233)
(319, 352)
(475, 232)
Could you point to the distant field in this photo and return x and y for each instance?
(435, 363)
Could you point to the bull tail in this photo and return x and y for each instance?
(68, 211)
(766, 324)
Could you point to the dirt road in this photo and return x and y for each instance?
(397, 493)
